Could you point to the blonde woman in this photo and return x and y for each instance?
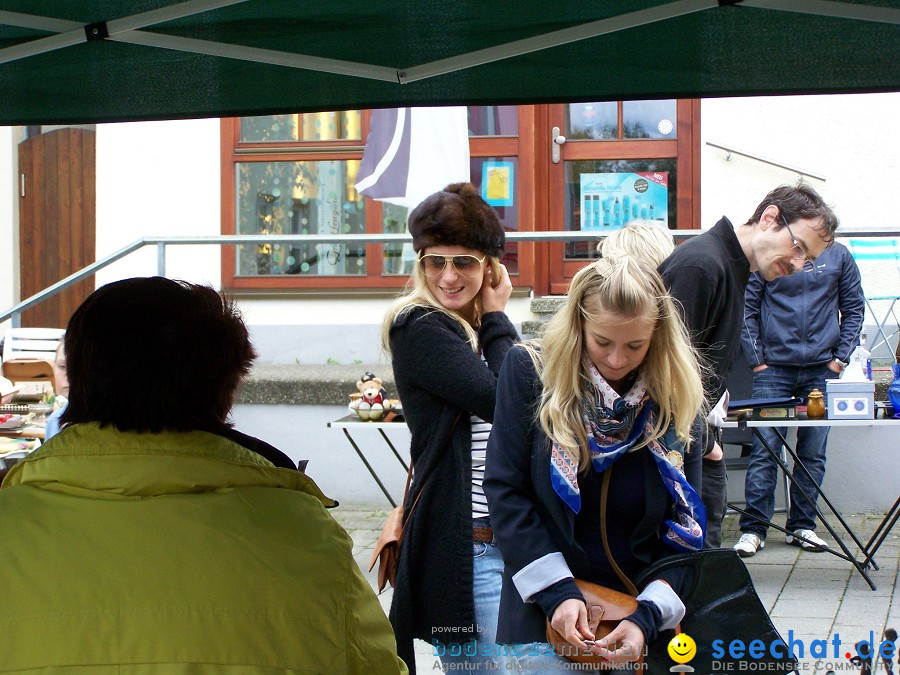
(612, 387)
(447, 338)
(651, 241)
(647, 239)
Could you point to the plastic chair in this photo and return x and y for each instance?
(885, 253)
(34, 377)
(29, 359)
(32, 343)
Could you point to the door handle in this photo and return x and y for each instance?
(556, 141)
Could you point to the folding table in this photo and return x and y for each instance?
(868, 550)
(350, 423)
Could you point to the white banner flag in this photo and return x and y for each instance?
(413, 152)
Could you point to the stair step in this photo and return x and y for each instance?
(548, 305)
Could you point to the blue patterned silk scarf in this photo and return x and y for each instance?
(614, 425)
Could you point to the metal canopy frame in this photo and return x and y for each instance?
(128, 30)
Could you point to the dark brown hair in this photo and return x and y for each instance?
(149, 354)
(796, 202)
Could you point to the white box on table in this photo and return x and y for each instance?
(850, 400)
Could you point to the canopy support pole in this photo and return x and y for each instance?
(555, 39)
(838, 10)
(72, 33)
(126, 29)
(258, 55)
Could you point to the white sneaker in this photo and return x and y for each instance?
(813, 541)
(749, 544)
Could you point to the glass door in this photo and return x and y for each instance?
(613, 162)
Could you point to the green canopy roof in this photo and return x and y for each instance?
(158, 59)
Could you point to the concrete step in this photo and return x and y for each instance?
(301, 384)
(547, 306)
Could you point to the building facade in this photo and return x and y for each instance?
(682, 162)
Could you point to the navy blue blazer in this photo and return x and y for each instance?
(530, 521)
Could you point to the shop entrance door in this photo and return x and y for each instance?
(612, 162)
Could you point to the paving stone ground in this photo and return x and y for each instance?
(810, 596)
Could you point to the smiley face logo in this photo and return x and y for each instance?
(682, 648)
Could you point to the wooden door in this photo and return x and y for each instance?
(609, 144)
(57, 214)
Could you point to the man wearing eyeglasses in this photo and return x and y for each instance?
(798, 331)
(708, 273)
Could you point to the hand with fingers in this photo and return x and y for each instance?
(570, 620)
(624, 644)
(495, 290)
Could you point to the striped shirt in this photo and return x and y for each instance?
(480, 432)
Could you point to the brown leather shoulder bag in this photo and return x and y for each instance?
(387, 548)
(606, 607)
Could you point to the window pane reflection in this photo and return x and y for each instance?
(591, 121)
(315, 197)
(323, 126)
(613, 215)
(649, 119)
(399, 259)
(493, 120)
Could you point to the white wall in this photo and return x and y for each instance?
(850, 139)
(316, 331)
(159, 178)
(301, 432)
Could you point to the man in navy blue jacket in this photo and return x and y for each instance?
(798, 331)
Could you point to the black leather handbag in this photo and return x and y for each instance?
(722, 605)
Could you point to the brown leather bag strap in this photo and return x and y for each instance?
(604, 492)
(408, 514)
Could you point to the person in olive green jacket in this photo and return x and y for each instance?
(146, 538)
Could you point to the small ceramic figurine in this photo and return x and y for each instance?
(815, 407)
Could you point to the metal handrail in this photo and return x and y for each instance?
(729, 149)
(14, 313)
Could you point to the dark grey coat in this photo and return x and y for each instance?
(439, 377)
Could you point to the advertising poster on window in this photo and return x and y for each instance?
(610, 200)
(498, 183)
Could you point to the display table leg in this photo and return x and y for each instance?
(369, 467)
(860, 567)
(881, 532)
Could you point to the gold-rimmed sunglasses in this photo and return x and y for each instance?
(465, 265)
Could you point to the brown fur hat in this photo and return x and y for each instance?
(457, 216)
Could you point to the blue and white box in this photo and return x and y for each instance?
(850, 399)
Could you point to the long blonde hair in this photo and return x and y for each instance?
(417, 294)
(629, 287)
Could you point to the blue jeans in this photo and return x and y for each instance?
(762, 471)
(482, 653)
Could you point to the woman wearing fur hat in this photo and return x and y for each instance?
(447, 337)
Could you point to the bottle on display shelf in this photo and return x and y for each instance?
(862, 343)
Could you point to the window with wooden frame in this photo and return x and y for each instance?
(295, 174)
